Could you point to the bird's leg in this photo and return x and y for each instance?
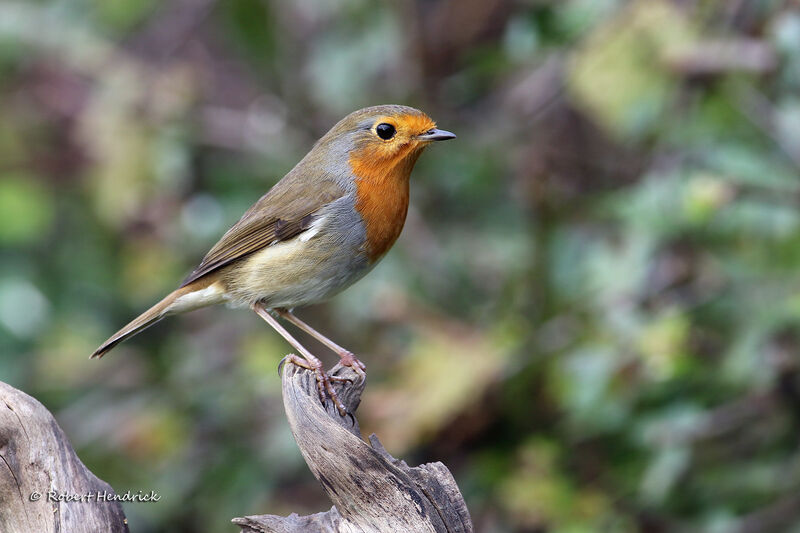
(347, 357)
(309, 361)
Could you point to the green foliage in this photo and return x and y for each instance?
(26, 210)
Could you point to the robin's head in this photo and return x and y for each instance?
(383, 136)
(391, 131)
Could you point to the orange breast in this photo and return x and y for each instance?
(382, 198)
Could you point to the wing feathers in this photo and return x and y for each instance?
(272, 219)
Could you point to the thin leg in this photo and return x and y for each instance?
(311, 362)
(347, 357)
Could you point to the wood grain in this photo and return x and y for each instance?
(35, 459)
(371, 491)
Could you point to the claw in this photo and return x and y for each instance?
(324, 378)
(324, 387)
(281, 364)
(340, 379)
(349, 359)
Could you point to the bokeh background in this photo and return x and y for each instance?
(591, 316)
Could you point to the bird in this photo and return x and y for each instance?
(317, 231)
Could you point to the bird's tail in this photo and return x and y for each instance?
(180, 300)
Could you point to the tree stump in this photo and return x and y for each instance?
(44, 487)
(371, 491)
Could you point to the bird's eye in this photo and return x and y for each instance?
(385, 131)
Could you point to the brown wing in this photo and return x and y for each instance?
(279, 215)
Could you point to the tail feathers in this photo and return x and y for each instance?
(142, 322)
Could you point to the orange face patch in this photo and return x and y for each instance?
(382, 169)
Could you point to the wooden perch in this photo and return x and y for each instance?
(40, 472)
(371, 491)
(45, 488)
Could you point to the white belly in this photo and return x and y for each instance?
(294, 273)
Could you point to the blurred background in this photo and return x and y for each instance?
(592, 316)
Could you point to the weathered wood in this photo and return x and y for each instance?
(371, 491)
(39, 470)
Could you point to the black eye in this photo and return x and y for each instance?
(385, 131)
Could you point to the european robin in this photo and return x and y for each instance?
(317, 231)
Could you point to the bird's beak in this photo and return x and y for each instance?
(436, 135)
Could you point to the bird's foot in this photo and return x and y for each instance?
(349, 359)
(324, 381)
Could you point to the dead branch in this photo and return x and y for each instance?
(370, 490)
(44, 487)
